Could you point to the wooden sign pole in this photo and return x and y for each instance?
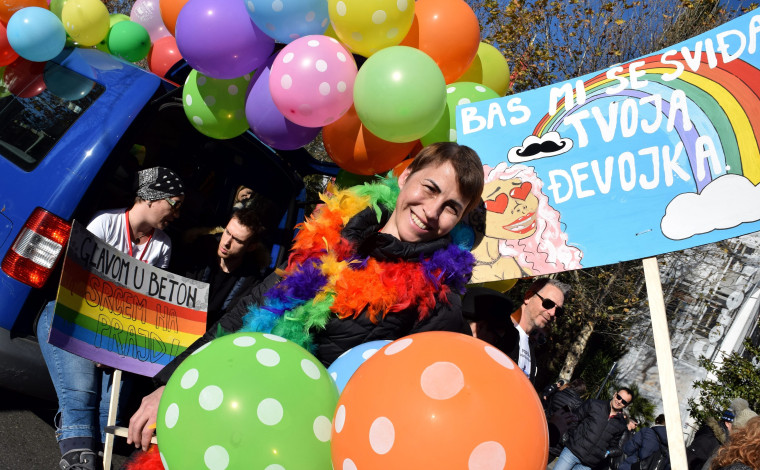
(661, 334)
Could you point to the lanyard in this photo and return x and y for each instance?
(129, 239)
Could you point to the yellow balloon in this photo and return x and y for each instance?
(86, 21)
(501, 286)
(489, 68)
(368, 26)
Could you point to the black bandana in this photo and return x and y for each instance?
(158, 183)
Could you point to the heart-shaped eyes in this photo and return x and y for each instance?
(499, 204)
(521, 192)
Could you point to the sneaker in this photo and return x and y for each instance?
(79, 459)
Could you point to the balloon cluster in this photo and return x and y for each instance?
(430, 400)
(376, 77)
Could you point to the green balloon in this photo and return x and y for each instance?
(214, 106)
(456, 93)
(128, 40)
(399, 94)
(247, 400)
(345, 179)
(56, 6)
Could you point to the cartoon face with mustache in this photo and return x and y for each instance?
(510, 209)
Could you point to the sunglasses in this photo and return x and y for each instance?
(549, 304)
(173, 203)
(624, 402)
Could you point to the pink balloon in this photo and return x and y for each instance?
(312, 81)
(148, 14)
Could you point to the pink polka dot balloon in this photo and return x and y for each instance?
(312, 81)
(439, 400)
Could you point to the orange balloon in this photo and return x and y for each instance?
(439, 400)
(169, 12)
(9, 7)
(163, 55)
(355, 149)
(398, 169)
(447, 31)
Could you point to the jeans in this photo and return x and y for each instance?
(83, 389)
(568, 461)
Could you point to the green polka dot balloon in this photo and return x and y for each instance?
(456, 93)
(214, 106)
(247, 401)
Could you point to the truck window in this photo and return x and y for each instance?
(30, 127)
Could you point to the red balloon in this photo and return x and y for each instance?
(447, 31)
(163, 54)
(439, 400)
(9, 7)
(24, 78)
(355, 149)
(7, 54)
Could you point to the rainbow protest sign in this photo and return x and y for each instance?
(121, 312)
(650, 156)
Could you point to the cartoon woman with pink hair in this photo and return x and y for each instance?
(522, 235)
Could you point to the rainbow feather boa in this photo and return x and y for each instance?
(325, 277)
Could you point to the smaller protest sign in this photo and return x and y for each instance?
(118, 311)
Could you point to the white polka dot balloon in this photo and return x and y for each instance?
(439, 400)
(366, 27)
(247, 400)
(312, 81)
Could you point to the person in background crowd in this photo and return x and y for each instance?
(645, 443)
(597, 432)
(742, 451)
(561, 406)
(711, 435)
(391, 235)
(242, 194)
(83, 388)
(743, 413)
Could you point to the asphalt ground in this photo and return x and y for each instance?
(27, 435)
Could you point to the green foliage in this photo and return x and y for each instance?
(738, 376)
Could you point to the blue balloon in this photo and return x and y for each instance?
(287, 20)
(344, 367)
(36, 34)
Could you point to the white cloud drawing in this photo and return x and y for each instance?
(533, 147)
(726, 202)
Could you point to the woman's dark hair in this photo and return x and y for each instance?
(465, 161)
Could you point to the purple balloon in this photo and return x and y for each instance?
(267, 122)
(218, 38)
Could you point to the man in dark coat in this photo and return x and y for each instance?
(645, 443)
(596, 434)
(712, 434)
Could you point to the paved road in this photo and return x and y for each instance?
(27, 440)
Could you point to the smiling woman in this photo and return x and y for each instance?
(374, 262)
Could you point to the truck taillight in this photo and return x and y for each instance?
(37, 248)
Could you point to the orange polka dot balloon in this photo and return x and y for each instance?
(439, 400)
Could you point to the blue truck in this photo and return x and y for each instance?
(73, 149)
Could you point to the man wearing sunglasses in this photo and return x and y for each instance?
(542, 302)
(597, 432)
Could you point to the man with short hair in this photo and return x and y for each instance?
(228, 265)
(230, 276)
(596, 434)
(485, 309)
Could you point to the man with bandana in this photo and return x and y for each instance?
(83, 388)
